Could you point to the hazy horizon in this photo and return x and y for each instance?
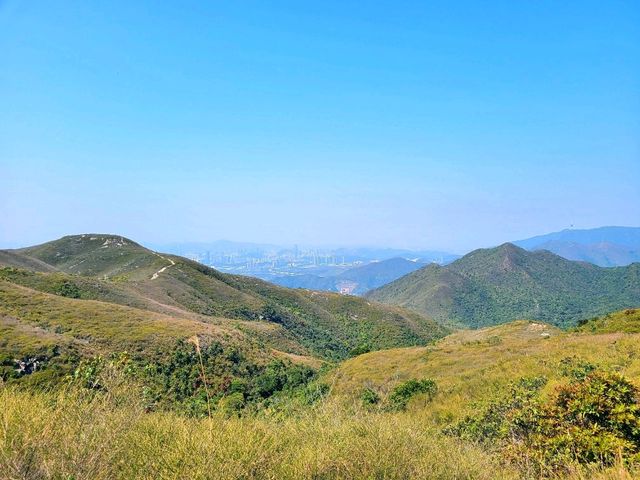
(442, 127)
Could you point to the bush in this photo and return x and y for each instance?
(176, 381)
(369, 397)
(576, 368)
(313, 392)
(591, 421)
(405, 391)
(501, 417)
(232, 404)
(67, 289)
(360, 350)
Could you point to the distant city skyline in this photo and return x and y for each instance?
(421, 125)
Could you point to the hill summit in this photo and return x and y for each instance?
(116, 270)
(505, 283)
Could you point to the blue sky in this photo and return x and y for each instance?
(445, 125)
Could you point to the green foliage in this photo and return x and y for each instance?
(369, 397)
(625, 321)
(590, 421)
(233, 381)
(593, 420)
(90, 373)
(506, 283)
(501, 416)
(576, 368)
(232, 404)
(314, 392)
(360, 350)
(67, 289)
(116, 270)
(401, 394)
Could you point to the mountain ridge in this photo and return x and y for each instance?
(117, 270)
(602, 246)
(505, 283)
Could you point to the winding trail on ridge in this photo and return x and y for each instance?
(155, 275)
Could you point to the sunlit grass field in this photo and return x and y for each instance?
(69, 435)
(74, 433)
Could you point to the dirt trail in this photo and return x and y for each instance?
(155, 275)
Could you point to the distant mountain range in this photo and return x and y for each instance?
(497, 285)
(605, 246)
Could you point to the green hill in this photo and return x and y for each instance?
(498, 285)
(489, 386)
(98, 294)
(144, 342)
(627, 321)
(15, 259)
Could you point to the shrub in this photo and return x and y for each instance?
(232, 404)
(369, 397)
(593, 420)
(576, 368)
(313, 392)
(67, 289)
(360, 350)
(405, 391)
(501, 417)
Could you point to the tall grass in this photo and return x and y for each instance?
(70, 434)
(196, 342)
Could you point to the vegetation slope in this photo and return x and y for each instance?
(166, 369)
(471, 365)
(108, 432)
(91, 296)
(498, 285)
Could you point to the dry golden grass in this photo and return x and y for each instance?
(68, 435)
(72, 434)
(474, 365)
(32, 320)
(65, 436)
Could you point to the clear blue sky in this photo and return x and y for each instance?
(412, 124)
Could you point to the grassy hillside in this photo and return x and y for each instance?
(471, 365)
(115, 269)
(105, 297)
(165, 368)
(13, 258)
(498, 285)
(47, 436)
(96, 255)
(527, 389)
(627, 321)
(88, 434)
